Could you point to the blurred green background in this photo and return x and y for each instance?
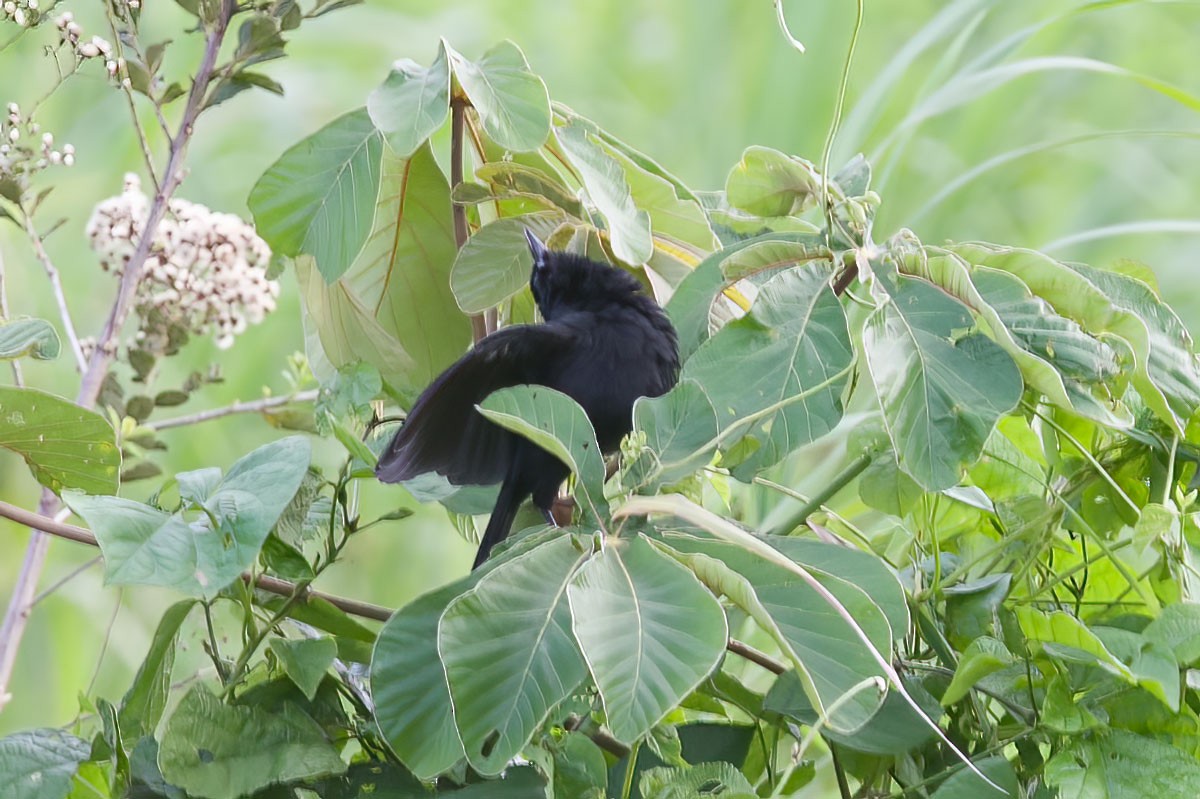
(691, 82)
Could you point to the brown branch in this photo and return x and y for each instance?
(253, 406)
(172, 176)
(754, 656)
(45, 524)
(16, 616)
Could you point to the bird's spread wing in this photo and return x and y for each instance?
(444, 433)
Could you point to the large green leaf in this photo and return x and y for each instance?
(681, 434)
(829, 657)
(346, 331)
(512, 102)
(649, 630)
(769, 183)
(1165, 371)
(556, 423)
(675, 218)
(495, 263)
(66, 446)
(402, 275)
(690, 307)
(609, 192)
(317, 199)
(39, 764)
(412, 102)
(510, 179)
(146, 546)
(1055, 355)
(1172, 363)
(1122, 765)
(776, 375)
(941, 391)
(408, 683)
(33, 337)
(509, 654)
(863, 569)
(222, 752)
(144, 702)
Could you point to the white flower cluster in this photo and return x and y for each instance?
(96, 47)
(23, 12)
(206, 271)
(24, 149)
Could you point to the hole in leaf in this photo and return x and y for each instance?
(489, 743)
(205, 755)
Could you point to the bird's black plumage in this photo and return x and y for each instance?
(603, 343)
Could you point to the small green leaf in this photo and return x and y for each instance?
(223, 752)
(66, 446)
(557, 424)
(964, 784)
(982, 657)
(495, 263)
(318, 198)
(636, 613)
(681, 432)
(1122, 765)
(305, 661)
(40, 764)
(412, 102)
(608, 190)
(33, 337)
(769, 183)
(1178, 629)
(512, 102)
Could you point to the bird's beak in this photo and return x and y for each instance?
(536, 249)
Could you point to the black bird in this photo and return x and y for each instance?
(604, 343)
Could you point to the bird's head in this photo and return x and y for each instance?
(563, 282)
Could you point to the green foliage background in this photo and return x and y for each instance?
(691, 83)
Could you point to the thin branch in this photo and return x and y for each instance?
(104, 353)
(253, 406)
(127, 91)
(56, 527)
(17, 614)
(60, 298)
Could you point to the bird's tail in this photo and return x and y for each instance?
(507, 503)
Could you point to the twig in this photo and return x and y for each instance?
(64, 313)
(599, 737)
(17, 615)
(21, 603)
(253, 406)
(457, 108)
(59, 583)
(18, 376)
(127, 91)
(56, 527)
(754, 656)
